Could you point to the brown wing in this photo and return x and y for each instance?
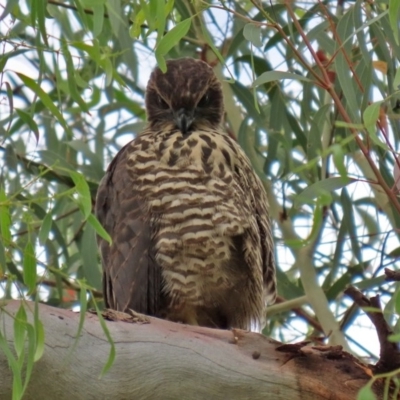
(131, 277)
(262, 234)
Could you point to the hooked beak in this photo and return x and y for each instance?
(184, 119)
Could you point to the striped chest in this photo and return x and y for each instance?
(195, 206)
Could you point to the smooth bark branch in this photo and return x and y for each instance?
(165, 360)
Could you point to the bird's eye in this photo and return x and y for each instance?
(161, 102)
(205, 101)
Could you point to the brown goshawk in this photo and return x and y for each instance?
(188, 217)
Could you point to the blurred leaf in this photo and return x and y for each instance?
(29, 264)
(394, 7)
(314, 190)
(349, 219)
(90, 263)
(41, 15)
(98, 18)
(45, 228)
(370, 117)
(15, 368)
(45, 99)
(347, 85)
(397, 302)
(396, 82)
(30, 122)
(270, 76)
(252, 33)
(5, 219)
(20, 321)
(366, 393)
(39, 334)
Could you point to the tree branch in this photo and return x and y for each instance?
(389, 359)
(165, 360)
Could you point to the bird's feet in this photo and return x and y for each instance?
(130, 316)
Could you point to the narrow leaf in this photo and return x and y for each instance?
(5, 219)
(45, 99)
(270, 76)
(13, 364)
(39, 334)
(396, 82)
(98, 19)
(99, 228)
(397, 302)
(394, 7)
(314, 190)
(20, 330)
(84, 198)
(111, 356)
(29, 266)
(27, 119)
(171, 38)
(45, 228)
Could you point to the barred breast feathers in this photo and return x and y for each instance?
(194, 194)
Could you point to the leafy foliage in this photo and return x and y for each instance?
(311, 94)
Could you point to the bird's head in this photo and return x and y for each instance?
(188, 95)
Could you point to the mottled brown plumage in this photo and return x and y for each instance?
(187, 214)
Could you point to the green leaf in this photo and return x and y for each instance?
(348, 86)
(396, 82)
(84, 197)
(338, 159)
(45, 228)
(270, 76)
(20, 322)
(30, 354)
(27, 118)
(394, 338)
(370, 118)
(111, 356)
(394, 7)
(73, 89)
(39, 334)
(41, 16)
(99, 228)
(90, 265)
(366, 393)
(397, 302)
(15, 368)
(29, 266)
(170, 39)
(161, 18)
(82, 314)
(314, 190)
(98, 19)
(5, 219)
(45, 99)
(252, 33)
